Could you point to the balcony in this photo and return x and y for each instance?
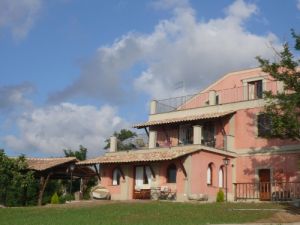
(249, 91)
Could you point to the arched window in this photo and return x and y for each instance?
(116, 176)
(209, 174)
(171, 173)
(221, 177)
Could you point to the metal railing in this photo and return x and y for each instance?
(267, 191)
(224, 96)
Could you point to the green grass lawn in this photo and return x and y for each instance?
(137, 213)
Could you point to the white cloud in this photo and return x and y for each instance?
(19, 16)
(15, 96)
(179, 49)
(298, 4)
(50, 129)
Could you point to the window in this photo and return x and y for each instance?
(221, 177)
(171, 173)
(116, 176)
(264, 125)
(209, 134)
(255, 89)
(209, 174)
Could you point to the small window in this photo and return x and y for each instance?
(255, 90)
(171, 173)
(221, 177)
(264, 125)
(116, 176)
(209, 174)
(217, 99)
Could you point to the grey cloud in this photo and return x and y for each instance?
(15, 97)
(19, 16)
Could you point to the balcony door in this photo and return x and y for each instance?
(209, 134)
(185, 134)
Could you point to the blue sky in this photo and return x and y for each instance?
(72, 71)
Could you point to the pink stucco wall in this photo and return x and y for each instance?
(246, 132)
(106, 179)
(284, 167)
(230, 89)
(200, 163)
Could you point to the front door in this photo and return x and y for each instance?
(264, 184)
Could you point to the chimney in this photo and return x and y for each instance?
(113, 144)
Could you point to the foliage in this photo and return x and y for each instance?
(16, 182)
(220, 196)
(283, 108)
(167, 213)
(54, 199)
(121, 136)
(80, 154)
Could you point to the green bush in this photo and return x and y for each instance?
(54, 199)
(220, 196)
(69, 197)
(62, 199)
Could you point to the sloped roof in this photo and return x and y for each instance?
(183, 119)
(142, 155)
(40, 164)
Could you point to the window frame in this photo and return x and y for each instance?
(209, 181)
(116, 176)
(171, 168)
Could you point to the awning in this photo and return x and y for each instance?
(142, 155)
(183, 119)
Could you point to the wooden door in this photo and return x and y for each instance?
(264, 184)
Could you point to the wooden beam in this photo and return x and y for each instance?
(183, 169)
(43, 184)
(152, 171)
(97, 172)
(121, 171)
(147, 132)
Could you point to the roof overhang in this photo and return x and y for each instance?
(152, 155)
(184, 119)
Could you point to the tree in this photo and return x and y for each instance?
(80, 154)
(283, 108)
(16, 181)
(122, 135)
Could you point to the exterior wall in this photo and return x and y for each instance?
(200, 163)
(106, 181)
(283, 167)
(246, 132)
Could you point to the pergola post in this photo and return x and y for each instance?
(43, 184)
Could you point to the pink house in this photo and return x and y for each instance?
(206, 142)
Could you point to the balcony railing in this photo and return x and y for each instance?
(267, 191)
(224, 96)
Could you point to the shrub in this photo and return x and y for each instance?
(62, 199)
(69, 197)
(54, 199)
(220, 196)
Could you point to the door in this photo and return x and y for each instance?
(264, 184)
(142, 182)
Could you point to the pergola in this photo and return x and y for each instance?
(57, 168)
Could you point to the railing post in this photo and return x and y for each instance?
(235, 192)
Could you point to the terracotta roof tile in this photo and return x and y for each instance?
(183, 119)
(141, 155)
(41, 164)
